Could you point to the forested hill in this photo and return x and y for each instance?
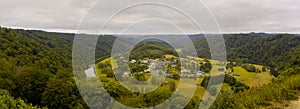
(152, 49)
(279, 51)
(36, 66)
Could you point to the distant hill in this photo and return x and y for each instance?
(152, 49)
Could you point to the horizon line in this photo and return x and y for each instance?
(73, 32)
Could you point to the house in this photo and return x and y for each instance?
(185, 71)
(144, 61)
(190, 75)
(133, 61)
(166, 82)
(168, 75)
(198, 72)
(147, 70)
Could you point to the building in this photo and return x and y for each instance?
(133, 61)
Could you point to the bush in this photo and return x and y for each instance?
(176, 76)
(249, 68)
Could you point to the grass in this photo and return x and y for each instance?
(169, 56)
(226, 86)
(252, 79)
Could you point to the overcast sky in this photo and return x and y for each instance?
(232, 16)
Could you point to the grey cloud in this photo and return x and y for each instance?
(232, 15)
(262, 15)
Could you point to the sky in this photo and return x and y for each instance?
(88, 16)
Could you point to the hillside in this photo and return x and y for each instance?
(279, 51)
(36, 66)
(151, 49)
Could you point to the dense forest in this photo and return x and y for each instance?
(36, 68)
(279, 51)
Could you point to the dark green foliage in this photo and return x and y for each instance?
(283, 88)
(206, 67)
(230, 66)
(156, 97)
(176, 76)
(172, 86)
(236, 85)
(274, 72)
(36, 67)
(250, 68)
(151, 49)
(61, 92)
(193, 104)
(30, 63)
(264, 69)
(110, 74)
(140, 76)
(280, 51)
(8, 102)
(31, 84)
(136, 67)
(225, 100)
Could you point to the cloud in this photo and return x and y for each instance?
(262, 15)
(231, 15)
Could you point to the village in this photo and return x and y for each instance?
(165, 67)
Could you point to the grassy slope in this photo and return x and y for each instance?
(252, 79)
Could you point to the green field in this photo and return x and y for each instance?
(252, 79)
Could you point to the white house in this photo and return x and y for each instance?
(133, 61)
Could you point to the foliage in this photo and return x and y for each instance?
(206, 67)
(284, 88)
(151, 49)
(278, 51)
(36, 67)
(236, 85)
(172, 86)
(8, 102)
(250, 68)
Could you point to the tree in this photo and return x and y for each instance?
(8, 102)
(264, 69)
(206, 67)
(156, 97)
(249, 68)
(172, 86)
(176, 76)
(61, 92)
(274, 72)
(31, 83)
